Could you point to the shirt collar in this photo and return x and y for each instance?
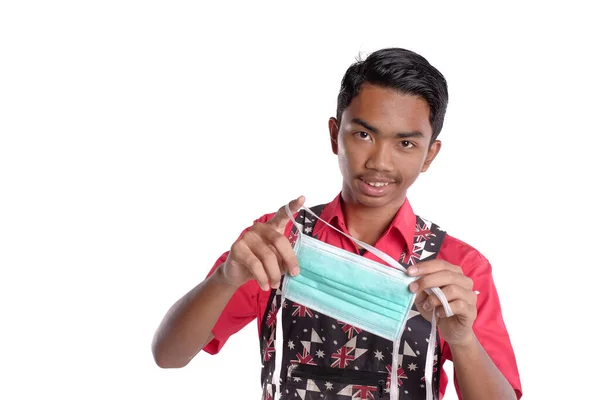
(404, 221)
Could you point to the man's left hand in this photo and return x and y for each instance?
(458, 289)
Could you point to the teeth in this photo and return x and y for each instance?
(377, 184)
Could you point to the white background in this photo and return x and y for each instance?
(139, 138)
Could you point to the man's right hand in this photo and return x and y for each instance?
(263, 253)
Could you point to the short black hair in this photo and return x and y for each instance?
(403, 70)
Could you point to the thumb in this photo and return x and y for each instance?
(280, 219)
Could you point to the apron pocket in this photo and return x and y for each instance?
(319, 382)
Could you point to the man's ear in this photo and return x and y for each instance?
(434, 149)
(333, 134)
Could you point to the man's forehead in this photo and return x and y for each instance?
(388, 110)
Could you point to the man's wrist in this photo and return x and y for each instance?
(467, 343)
(221, 280)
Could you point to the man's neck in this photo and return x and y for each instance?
(366, 223)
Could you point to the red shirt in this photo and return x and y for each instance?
(250, 302)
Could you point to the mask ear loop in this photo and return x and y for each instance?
(432, 335)
(276, 381)
(366, 246)
(394, 370)
(291, 217)
(429, 359)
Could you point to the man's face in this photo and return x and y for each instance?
(383, 143)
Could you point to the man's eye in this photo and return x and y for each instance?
(363, 135)
(406, 144)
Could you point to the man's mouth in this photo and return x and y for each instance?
(380, 182)
(377, 184)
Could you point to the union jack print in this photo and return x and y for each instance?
(409, 258)
(272, 316)
(349, 329)
(364, 392)
(301, 311)
(342, 357)
(422, 232)
(270, 349)
(304, 358)
(401, 375)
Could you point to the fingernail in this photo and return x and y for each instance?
(413, 287)
(295, 271)
(413, 270)
(439, 313)
(426, 306)
(266, 287)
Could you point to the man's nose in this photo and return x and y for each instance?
(380, 158)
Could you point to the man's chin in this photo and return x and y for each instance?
(377, 201)
(359, 195)
(371, 201)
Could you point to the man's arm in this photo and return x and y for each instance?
(262, 254)
(476, 374)
(186, 328)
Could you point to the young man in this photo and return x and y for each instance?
(390, 112)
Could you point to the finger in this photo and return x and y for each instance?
(460, 308)
(452, 293)
(441, 279)
(420, 297)
(280, 219)
(432, 266)
(279, 259)
(267, 258)
(243, 252)
(282, 248)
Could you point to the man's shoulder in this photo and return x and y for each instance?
(452, 247)
(460, 253)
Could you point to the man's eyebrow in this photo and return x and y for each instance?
(366, 125)
(406, 135)
(399, 135)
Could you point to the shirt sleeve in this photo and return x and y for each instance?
(489, 326)
(241, 309)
